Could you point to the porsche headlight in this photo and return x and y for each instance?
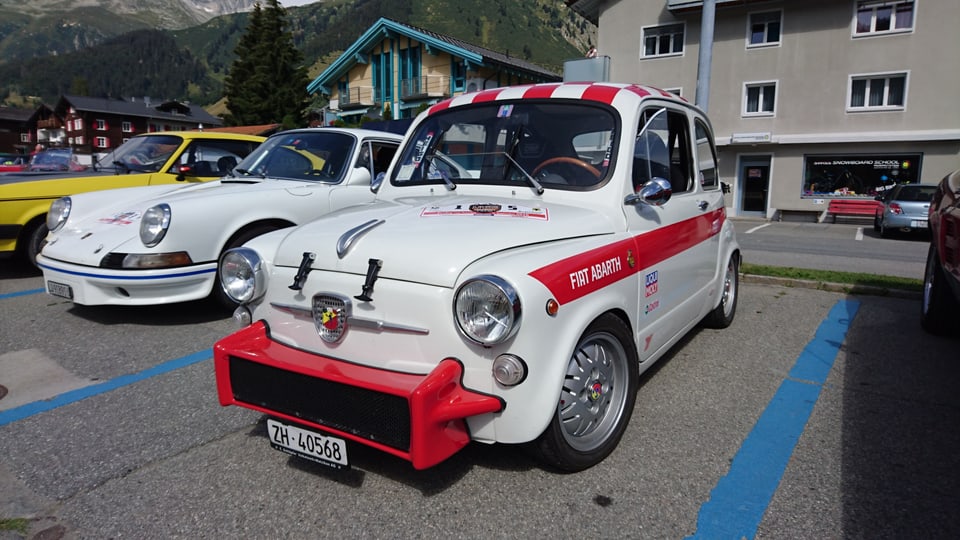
(58, 213)
(242, 275)
(154, 224)
(487, 310)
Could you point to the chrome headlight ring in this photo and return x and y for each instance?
(154, 224)
(487, 310)
(242, 275)
(59, 213)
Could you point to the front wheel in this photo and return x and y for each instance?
(35, 239)
(938, 307)
(596, 400)
(722, 315)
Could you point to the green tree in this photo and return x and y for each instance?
(267, 83)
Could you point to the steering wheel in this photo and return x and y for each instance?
(572, 161)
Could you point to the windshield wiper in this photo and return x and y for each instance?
(533, 181)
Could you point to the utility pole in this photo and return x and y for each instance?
(706, 53)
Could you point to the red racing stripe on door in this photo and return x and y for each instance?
(579, 275)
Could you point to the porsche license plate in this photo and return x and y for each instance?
(323, 449)
(60, 289)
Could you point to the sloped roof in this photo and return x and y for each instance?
(264, 130)
(474, 55)
(159, 110)
(15, 114)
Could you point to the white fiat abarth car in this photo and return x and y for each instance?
(532, 250)
(160, 244)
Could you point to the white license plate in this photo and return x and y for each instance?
(59, 289)
(324, 449)
(918, 224)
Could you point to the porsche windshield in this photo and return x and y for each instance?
(140, 154)
(541, 144)
(316, 156)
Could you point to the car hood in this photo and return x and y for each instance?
(422, 241)
(115, 227)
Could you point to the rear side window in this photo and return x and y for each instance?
(662, 149)
(706, 157)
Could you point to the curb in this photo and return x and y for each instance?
(831, 287)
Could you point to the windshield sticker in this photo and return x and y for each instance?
(421, 149)
(505, 111)
(487, 209)
(123, 218)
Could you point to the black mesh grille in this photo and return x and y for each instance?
(372, 415)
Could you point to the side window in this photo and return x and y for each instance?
(706, 158)
(215, 157)
(680, 149)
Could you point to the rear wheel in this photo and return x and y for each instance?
(596, 401)
(238, 240)
(722, 315)
(938, 307)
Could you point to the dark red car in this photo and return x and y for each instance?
(940, 307)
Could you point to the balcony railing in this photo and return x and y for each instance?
(50, 123)
(428, 86)
(357, 97)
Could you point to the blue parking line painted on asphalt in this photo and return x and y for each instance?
(4, 296)
(741, 497)
(66, 398)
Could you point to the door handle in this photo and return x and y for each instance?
(703, 205)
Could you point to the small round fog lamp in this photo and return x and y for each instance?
(509, 370)
(242, 316)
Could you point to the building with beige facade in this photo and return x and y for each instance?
(810, 100)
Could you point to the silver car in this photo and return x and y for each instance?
(904, 208)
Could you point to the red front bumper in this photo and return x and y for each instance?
(351, 400)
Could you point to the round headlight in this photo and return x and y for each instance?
(154, 224)
(59, 212)
(242, 275)
(487, 310)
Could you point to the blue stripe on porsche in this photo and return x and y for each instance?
(128, 278)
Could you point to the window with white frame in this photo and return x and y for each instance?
(663, 40)
(24, 137)
(127, 127)
(883, 17)
(763, 29)
(100, 124)
(675, 91)
(78, 140)
(78, 124)
(101, 142)
(760, 98)
(878, 92)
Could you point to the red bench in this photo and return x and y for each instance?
(853, 208)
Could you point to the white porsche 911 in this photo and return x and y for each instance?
(160, 244)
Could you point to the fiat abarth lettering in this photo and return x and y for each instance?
(531, 251)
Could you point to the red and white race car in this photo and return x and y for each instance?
(531, 251)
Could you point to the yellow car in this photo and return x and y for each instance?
(148, 159)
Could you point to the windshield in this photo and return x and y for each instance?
(59, 159)
(316, 156)
(561, 145)
(141, 154)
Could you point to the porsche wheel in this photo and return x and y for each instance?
(596, 401)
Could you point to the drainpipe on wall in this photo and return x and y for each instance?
(706, 53)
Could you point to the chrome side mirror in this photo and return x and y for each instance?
(377, 182)
(656, 192)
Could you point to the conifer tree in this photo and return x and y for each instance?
(267, 82)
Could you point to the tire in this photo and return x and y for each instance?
(722, 315)
(34, 240)
(217, 295)
(939, 309)
(884, 231)
(876, 224)
(585, 429)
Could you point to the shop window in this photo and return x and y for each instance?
(878, 92)
(759, 99)
(858, 175)
(883, 17)
(763, 29)
(663, 40)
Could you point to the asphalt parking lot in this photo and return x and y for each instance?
(815, 415)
